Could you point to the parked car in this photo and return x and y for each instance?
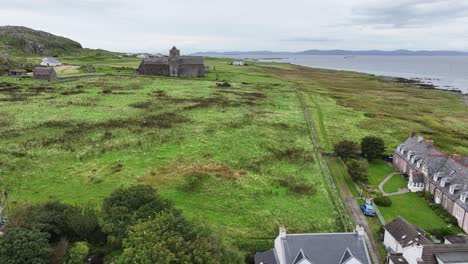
(367, 209)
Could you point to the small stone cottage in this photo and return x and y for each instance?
(44, 73)
(174, 65)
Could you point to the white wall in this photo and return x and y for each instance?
(412, 254)
(279, 249)
(391, 243)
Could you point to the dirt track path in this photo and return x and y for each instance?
(350, 201)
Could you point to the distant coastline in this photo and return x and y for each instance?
(338, 52)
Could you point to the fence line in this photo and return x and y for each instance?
(346, 220)
(379, 215)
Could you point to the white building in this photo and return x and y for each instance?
(52, 62)
(238, 63)
(407, 244)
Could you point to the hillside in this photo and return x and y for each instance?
(22, 40)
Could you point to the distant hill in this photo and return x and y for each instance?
(339, 52)
(22, 40)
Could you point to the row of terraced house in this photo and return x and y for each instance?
(429, 169)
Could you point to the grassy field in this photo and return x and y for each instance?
(238, 159)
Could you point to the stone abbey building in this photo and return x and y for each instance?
(174, 65)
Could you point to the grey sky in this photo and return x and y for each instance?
(221, 25)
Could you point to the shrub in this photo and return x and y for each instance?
(193, 182)
(372, 147)
(442, 232)
(383, 201)
(21, 245)
(358, 169)
(346, 149)
(77, 253)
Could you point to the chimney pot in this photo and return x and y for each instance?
(282, 231)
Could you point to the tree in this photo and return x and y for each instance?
(77, 253)
(170, 238)
(21, 245)
(346, 149)
(372, 147)
(58, 219)
(126, 207)
(358, 169)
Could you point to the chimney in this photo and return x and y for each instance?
(420, 138)
(430, 142)
(282, 231)
(360, 230)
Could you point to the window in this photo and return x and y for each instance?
(458, 213)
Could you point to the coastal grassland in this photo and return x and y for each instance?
(348, 105)
(237, 159)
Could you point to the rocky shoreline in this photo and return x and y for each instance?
(417, 83)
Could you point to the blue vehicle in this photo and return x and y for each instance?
(368, 209)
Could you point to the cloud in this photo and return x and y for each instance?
(409, 13)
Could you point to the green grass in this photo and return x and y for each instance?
(396, 183)
(76, 141)
(414, 209)
(378, 171)
(341, 176)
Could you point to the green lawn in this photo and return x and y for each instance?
(414, 209)
(395, 183)
(378, 171)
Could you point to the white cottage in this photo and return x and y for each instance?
(50, 62)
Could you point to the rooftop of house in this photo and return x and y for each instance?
(331, 248)
(186, 60)
(50, 60)
(452, 168)
(406, 233)
(266, 257)
(448, 253)
(43, 70)
(398, 259)
(457, 239)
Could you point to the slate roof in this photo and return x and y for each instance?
(405, 233)
(43, 70)
(452, 252)
(325, 248)
(51, 60)
(398, 259)
(418, 178)
(438, 162)
(191, 60)
(457, 239)
(156, 60)
(266, 257)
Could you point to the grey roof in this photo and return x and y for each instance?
(191, 60)
(457, 239)
(50, 60)
(43, 70)
(325, 248)
(438, 162)
(453, 257)
(398, 259)
(405, 233)
(156, 60)
(418, 178)
(456, 251)
(266, 257)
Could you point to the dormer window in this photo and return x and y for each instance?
(463, 197)
(454, 187)
(438, 175)
(444, 181)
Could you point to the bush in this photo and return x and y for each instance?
(297, 186)
(446, 216)
(442, 232)
(21, 245)
(372, 147)
(383, 201)
(358, 169)
(346, 149)
(77, 253)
